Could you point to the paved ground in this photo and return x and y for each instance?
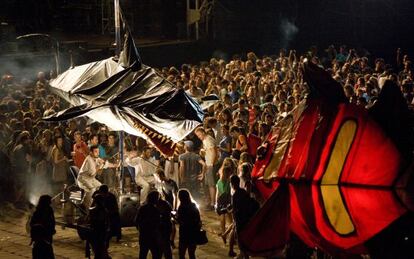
(14, 242)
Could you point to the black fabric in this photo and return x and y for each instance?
(129, 57)
(133, 92)
(392, 113)
(322, 85)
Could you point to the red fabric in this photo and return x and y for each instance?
(371, 210)
(379, 168)
(253, 142)
(81, 151)
(369, 171)
(276, 214)
(252, 117)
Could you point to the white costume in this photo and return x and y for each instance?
(171, 170)
(86, 178)
(144, 174)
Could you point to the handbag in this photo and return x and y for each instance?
(201, 238)
(223, 202)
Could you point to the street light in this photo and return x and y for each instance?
(32, 35)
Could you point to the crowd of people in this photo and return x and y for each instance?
(215, 160)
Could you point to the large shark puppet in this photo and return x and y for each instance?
(329, 173)
(129, 96)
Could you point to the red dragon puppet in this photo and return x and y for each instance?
(328, 171)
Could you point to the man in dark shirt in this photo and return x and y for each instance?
(191, 166)
(148, 222)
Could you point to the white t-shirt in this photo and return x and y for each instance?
(209, 145)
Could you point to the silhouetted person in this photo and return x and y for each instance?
(188, 217)
(242, 207)
(168, 188)
(166, 227)
(111, 205)
(42, 229)
(148, 222)
(100, 225)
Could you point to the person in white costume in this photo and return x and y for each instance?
(92, 166)
(145, 168)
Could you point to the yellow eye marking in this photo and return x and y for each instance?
(331, 195)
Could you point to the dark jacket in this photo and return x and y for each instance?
(241, 208)
(111, 205)
(42, 229)
(42, 225)
(100, 223)
(148, 222)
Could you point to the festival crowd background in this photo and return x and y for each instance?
(255, 93)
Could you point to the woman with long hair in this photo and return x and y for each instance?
(60, 164)
(189, 219)
(42, 229)
(223, 201)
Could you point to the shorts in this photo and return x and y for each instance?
(210, 177)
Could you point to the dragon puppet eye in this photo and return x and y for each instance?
(335, 207)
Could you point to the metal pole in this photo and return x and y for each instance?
(121, 157)
(196, 25)
(186, 18)
(117, 28)
(117, 52)
(57, 57)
